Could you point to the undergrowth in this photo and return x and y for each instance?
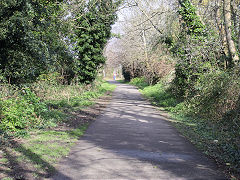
(41, 150)
(140, 82)
(209, 120)
(31, 117)
(42, 105)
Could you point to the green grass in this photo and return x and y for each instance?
(3, 160)
(42, 147)
(160, 96)
(82, 99)
(141, 83)
(49, 145)
(7, 178)
(216, 139)
(122, 81)
(107, 87)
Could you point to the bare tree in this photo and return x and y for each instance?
(227, 22)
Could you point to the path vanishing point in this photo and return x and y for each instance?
(132, 140)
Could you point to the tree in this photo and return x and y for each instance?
(139, 48)
(30, 38)
(227, 22)
(93, 30)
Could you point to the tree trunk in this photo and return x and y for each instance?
(145, 45)
(238, 21)
(221, 29)
(227, 22)
(239, 38)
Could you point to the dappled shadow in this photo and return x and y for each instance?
(14, 151)
(16, 168)
(131, 140)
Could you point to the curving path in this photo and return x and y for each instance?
(132, 140)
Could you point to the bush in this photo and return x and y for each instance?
(211, 118)
(140, 82)
(51, 78)
(43, 104)
(22, 112)
(160, 95)
(216, 94)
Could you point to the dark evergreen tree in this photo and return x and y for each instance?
(31, 39)
(93, 30)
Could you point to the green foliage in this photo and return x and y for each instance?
(191, 42)
(25, 111)
(190, 18)
(31, 39)
(94, 29)
(160, 96)
(216, 97)
(39, 37)
(198, 51)
(21, 113)
(81, 99)
(140, 82)
(50, 78)
(210, 119)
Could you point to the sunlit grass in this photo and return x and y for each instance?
(43, 146)
(49, 145)
(141, 83)
(215, 138)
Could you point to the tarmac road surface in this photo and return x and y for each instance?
(132, 140)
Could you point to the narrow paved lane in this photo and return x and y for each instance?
(131, 140)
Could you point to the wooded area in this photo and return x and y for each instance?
(41, 37)
(49, 51)
(50, 55)
(188, 50)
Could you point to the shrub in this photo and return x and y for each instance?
(140, 82)
(210, 119)
(217, 94)
(22, 112)
(51, 78)
(160, 95)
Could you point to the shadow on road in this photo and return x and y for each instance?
(131, 140)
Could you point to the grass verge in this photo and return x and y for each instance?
(216, 139)
(35, 155)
